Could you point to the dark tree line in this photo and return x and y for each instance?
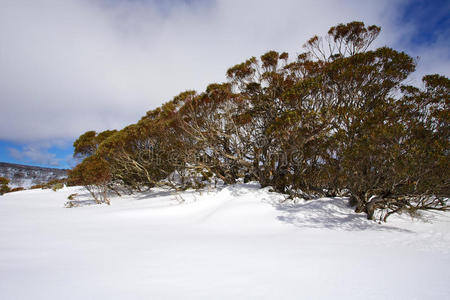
(335, 120)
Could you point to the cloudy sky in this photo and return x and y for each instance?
(68, 66)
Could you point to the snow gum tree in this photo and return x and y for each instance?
(335, 120)
(93, 173)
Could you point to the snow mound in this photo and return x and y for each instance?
(239, 242)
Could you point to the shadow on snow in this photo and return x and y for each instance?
(330, 213)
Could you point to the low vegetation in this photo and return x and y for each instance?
(4, 188)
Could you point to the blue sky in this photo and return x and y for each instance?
(71, 66)
(45, 155)
(431, 20)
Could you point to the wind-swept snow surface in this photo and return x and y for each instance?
(236, 242)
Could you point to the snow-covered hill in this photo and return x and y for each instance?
(26, 176)
(236, 242)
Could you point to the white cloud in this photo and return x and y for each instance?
(76, 65)
(35, 154)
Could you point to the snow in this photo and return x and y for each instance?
(235, 242)
(27, 176)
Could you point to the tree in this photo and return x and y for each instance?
(94, 174)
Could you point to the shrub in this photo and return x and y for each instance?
(4, 181)
(37, 186)
(57, 186)
(4, 185)
(4, 189)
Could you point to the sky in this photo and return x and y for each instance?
(69, 66)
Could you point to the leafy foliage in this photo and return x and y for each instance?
(4, 181)
(87, 143)
(4, 185)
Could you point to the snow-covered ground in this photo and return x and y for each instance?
(236, 242)
(27, 176)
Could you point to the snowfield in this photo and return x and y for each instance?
(236, 242)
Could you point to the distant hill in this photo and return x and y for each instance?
(26, 176)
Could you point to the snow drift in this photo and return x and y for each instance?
(235, 242)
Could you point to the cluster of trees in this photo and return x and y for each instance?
(335, 120)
